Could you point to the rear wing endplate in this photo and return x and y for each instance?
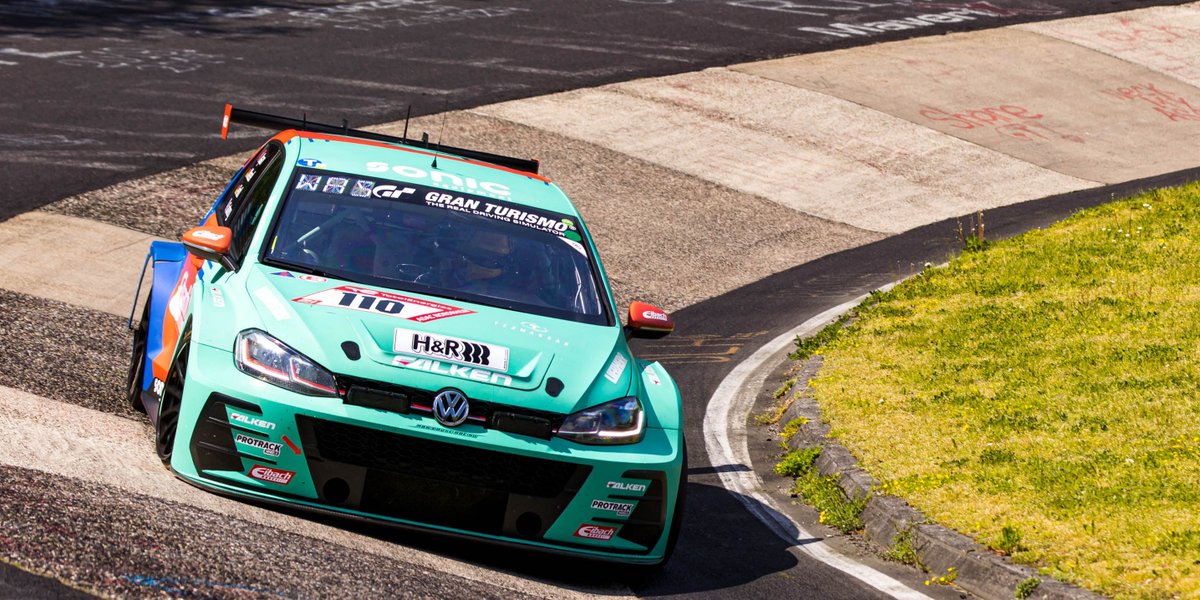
(278, 123)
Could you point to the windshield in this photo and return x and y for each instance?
(412, 237)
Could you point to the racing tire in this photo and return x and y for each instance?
(137, 362)
(172, 397)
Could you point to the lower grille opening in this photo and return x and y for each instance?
(440, 461)
(439, 483)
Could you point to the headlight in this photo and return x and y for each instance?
(617, 422)
(259, 355)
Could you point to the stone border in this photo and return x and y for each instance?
(979, 570)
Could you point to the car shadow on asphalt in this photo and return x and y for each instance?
(721, 546)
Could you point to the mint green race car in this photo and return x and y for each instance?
(413, 334)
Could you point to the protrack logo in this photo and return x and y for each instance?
(622, 509)
(268, 448)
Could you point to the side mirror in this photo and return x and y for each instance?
(210, 242)
(648, 321)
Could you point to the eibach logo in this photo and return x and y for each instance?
(595, 532)
(270, 475)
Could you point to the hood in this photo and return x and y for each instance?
(431, 343)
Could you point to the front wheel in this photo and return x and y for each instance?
(172, 397)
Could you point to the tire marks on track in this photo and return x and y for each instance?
(99, 484)
(168, 548)
(46, 345)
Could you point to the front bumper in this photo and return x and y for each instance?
(241, 436)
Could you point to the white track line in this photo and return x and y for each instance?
(725, 440)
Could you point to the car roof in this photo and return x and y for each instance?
(399, 162)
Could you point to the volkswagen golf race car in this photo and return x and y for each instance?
(415, 334)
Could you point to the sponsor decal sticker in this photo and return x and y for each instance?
(157, 386)
(205, 234)
(228, 209)
(462, 351)
(382, 303)
(391, 191)
(651, 375)
(508, 213)
(621, 508)
(616, 368)
(262, 157)
(362, 188)
(251, 421)
(302, 276)
(654, 315)
(452, 370)
(595, 532)
(218, 297)
(268, 448)
(237, 192)
(250, 174)
(311, 163)
(271, 475)
(534, 327)
(273, 304)
(308, 183)
(626, 487)
(444, 180)
(335, 185)
(458, 432)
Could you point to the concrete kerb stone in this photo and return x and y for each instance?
(885, 518)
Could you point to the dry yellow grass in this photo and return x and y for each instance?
(1042, 395)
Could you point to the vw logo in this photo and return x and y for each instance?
(450, 408)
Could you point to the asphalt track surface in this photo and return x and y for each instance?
(102, 91)
(116, 91)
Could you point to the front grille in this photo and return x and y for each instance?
(440, 461)
(404, 399)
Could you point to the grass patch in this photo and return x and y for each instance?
(792, 427)
(902, 550)
(822, 491)
(772, 414)
(806, 347)
(785, 388)
(1026, 588)
(1043, 395)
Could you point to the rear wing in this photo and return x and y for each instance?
(278, 123)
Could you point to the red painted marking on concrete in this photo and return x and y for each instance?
(1012, 120)
(1169, 104)
(1136, 35)
(987, 8)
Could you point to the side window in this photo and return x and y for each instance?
(244, 219)
(235, 195)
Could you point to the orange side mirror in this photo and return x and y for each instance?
(210, 242)
(649, 321)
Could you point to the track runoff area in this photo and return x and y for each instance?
(740, 172)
